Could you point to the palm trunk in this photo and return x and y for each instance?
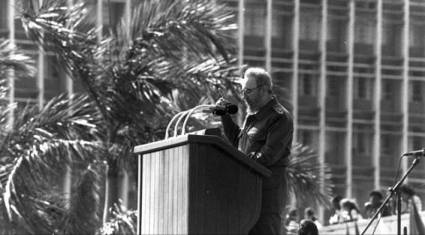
(111, 189)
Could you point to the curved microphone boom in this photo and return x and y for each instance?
(219, 110)
(183, 115)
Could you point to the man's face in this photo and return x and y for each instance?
(374, 200)
(251, 92)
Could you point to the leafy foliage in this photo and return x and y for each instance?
(305, 179)
(37, 150)
(122, 222)
(11, 58)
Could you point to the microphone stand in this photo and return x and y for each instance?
(392, 190)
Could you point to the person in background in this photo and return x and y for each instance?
(265, 137)
(336, 218)
(375, 201)
(291, 222)
(310, 215)
(409, 196)
(350, 210)
(308, 227)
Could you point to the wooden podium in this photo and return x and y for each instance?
(197, 184)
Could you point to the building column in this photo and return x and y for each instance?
(378, 94)
(268, 36)
(241, 19)
(322, 97)
(349, 87)
(295, 62)
(405, 82)
(11, 79)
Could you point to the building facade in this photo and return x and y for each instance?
(353, 70)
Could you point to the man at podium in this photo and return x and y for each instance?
(266, 137)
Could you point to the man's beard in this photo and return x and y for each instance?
(249, 106)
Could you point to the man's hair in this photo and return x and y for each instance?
(262, 77)
(407, 190)
(308, 227)
(309, 211)
(336, 200)
(376, 193)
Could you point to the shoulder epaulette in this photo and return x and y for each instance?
(279, 109)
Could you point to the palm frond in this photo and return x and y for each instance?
(35, 154)
(11, 57)
(66, 30)
(165, 27)
(305, 179)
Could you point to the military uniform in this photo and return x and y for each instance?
(266, 136)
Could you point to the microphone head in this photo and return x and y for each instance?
(219, 111)
(231, 109)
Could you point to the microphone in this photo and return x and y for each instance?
(221, 110)
(416, 153)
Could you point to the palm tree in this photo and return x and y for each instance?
(133, 74)
(35, 152)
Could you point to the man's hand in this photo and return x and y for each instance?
(220, 107)
(254, 155)
(221, 102)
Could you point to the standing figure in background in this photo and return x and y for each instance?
(409, 196)
(375, 201)
(350, 210)
(336, 218)
(265, 137)
(310, 215)
(292, 222)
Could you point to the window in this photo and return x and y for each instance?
(387, 90)
(309, 25)
(333, 86)
(306, 137)
(361, 89)
(255, 15)
(416, 35)
(364, 31)
(281, 24)
(3, 14)
(416, 91)
(361, 143)
(112, 13)
(336, 29)
(307, 84)
(335, 147)
(391, 32)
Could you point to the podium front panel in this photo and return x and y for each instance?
(164, 199)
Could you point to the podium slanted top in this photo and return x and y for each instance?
(213, 140)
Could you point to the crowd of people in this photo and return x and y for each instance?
(346, 210)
